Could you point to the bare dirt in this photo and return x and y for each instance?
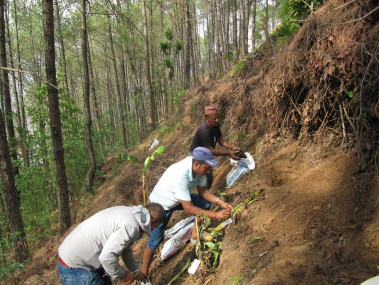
(316, 219)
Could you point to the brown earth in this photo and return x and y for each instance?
(316, 215)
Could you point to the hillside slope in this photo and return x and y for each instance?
(316, 215)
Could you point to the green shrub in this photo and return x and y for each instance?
(240, 66)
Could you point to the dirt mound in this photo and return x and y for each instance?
(315, 217)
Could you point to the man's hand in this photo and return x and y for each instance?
(223, 214)
(128, 278)
(142, 276)
(225, 205)
(233, 154)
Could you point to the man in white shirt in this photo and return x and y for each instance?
(90, 253)
(174, 192)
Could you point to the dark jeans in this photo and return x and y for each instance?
(157, 235)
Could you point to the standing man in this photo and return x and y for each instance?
(174, 192)
(89, 254)
(208, 134)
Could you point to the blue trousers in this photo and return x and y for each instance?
(157, 235)
(78, 276)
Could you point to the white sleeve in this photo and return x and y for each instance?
(116, 244)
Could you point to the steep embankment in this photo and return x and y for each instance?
(308, 113)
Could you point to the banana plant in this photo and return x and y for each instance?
(147, 163)
(130, 158)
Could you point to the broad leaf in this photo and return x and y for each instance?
(159, 150)
(147, 164)
(211, 245)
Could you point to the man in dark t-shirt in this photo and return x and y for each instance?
(206, 136)
(209, 134)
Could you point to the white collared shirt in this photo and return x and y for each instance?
(176, 184)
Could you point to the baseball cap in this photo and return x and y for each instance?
(202, 153)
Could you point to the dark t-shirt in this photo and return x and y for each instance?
(205, 137)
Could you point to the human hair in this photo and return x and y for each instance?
(199, 161)
(157, 212)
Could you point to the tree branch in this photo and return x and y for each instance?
(361, 18)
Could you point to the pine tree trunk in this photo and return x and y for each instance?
(20, 79)
(109, 89)
(220, 42)
(225, 20)
(10, 51)
(93, 88)
(253, 25)
(267, 18)
(119, 95)
(273, 14)
(5, 87)
(193, 44)
(242, 28)
(17, 95)
(211, 31)
(197, 46)
(10, 196)
(187, 70)
(61, 42)
(55, 121)
(147, 66)
(125, 105)
(87, 108)
(235, 39)
(247, 18)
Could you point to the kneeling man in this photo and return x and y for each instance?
(174, 192)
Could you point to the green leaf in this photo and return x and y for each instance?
(168, 33)
(181, 271)
(349, 93)
(211, 245)
(150, 158)
(237, 209)
(216, 254)
(147, 164)
(178, 46)
(256, 239)
(159, 150)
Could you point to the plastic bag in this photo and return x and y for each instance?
(174, 244)
(240, 168)
(155, 143)
(178, 226)
(147, 282)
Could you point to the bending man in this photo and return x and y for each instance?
(89, 254)
(174, 192)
